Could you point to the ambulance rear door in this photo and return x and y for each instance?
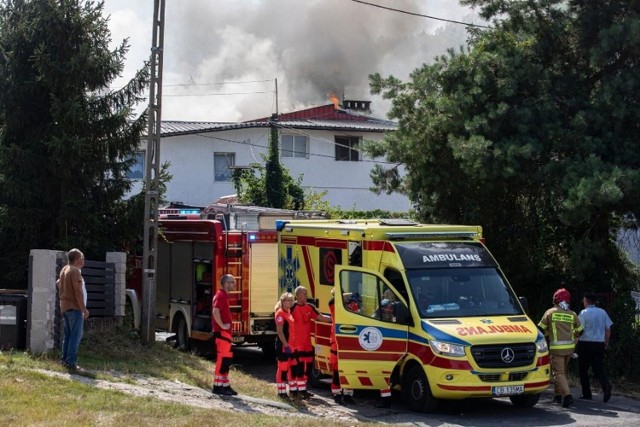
(372, 328)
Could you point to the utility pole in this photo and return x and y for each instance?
(152, 179)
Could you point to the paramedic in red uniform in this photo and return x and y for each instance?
(302, 313)
(285, 342)
(221, 325)
(340, 396)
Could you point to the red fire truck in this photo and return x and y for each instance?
(192, 256)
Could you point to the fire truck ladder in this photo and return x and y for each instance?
(234, 253)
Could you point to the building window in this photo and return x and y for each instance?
(295, 146)
(137, 169)
(347, 148)
(222, 164)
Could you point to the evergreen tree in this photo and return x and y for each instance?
(274, 184)
(67, 138)
(533, 133)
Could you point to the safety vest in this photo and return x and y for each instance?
(561, 327)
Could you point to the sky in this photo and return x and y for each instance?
(222, 57)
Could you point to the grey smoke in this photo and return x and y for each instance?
(313, 47)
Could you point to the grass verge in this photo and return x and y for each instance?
(31, 398)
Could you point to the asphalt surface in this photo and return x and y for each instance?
(619, 411)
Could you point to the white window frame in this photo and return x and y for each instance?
(299, 146)
(227, 176)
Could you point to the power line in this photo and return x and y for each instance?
(452, 21)
(293, 130)
(215, 94)
(218, 83)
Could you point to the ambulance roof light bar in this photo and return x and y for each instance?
(432, 235)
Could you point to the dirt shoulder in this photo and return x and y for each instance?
(185, 394)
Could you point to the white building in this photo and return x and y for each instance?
(320, 143)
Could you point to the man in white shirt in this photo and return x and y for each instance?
(592, 345)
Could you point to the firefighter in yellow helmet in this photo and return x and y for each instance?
(562, 328)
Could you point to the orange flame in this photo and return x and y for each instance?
(334, 100)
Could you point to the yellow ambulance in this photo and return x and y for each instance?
(423, 309)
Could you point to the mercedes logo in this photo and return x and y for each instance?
(507, 355)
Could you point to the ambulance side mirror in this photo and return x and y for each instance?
(525, 304)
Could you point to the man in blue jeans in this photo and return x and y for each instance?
(73, 306)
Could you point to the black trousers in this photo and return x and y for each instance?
(591, 355)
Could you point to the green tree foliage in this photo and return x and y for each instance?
(270, 185)
(531, 132)
(67, 139)
(274, 174)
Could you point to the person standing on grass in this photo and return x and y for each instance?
(303, 313)
(285, 355)
(593, 342)
(221, 326)
(73, 306)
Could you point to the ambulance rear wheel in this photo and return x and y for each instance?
(418, 391)
(314, 378)
(525, 400)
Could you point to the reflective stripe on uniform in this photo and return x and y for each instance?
(561, 343)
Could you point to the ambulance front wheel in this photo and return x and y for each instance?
(418, 392)
(525, 400)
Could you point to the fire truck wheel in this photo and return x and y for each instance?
(418, 392)
(525, 400)
(268, 351)
(182, 335)
(129, 317)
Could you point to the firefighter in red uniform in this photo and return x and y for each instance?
(221, 325)
(340, 396)
(302, 313)
(285, 355)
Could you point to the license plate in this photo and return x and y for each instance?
(507, 390)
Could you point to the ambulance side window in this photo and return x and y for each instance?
(366, 294)
(395, 278)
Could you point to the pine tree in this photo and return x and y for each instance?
(67, 138)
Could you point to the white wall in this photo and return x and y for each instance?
(347, 183)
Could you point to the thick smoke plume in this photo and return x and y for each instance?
(313, 47)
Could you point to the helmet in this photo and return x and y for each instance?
(561, 295)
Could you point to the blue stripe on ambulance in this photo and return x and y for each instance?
(386, 333)
(438, 335)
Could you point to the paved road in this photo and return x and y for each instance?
(619, 411)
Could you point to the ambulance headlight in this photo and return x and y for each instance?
(541, 345)
(446, 348)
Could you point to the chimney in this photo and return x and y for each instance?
(354, 105)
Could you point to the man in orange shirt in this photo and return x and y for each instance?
(73, 306)
(303, 313)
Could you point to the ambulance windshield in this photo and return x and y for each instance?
(461, 292)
